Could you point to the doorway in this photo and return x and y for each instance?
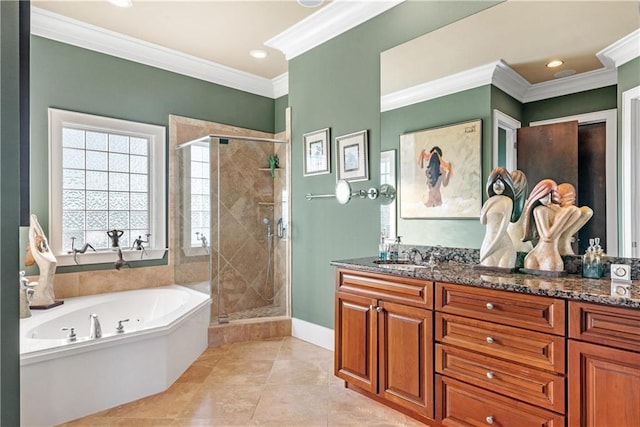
(604, 122)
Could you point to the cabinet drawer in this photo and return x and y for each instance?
(534, 349)
(533, 312)
(464, 405)
(536, 387)
(612, 326)
(404, 290)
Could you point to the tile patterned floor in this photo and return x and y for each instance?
(280, 382)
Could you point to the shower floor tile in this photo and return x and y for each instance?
(277, 382)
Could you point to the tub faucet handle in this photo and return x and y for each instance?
(120, 327)
(95, 331)
(72, 333)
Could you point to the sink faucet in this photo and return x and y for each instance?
(416, 256)
(95, 331)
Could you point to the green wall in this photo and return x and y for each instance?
(9, 214)
(568, 105)
(71, 78)
(337, 85)
(455, 108)
(506, 104)
(280, 107)
(629, 75)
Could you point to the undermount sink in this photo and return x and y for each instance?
(403, 265)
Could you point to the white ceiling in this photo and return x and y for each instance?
(525, 34)
(223, 32)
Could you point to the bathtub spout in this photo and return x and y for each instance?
(95, 331)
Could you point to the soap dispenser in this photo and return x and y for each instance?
(395, 249)
(592, 260)
(382, 249)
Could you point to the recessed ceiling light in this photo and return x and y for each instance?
(555, 63)
(121, 3)
(310, 3)
(259, 54)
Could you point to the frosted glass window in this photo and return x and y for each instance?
(97, 160)
(118, 162)
(200, 201)
(97, 141)
(105, 186)
(105, 174)
(72, 138)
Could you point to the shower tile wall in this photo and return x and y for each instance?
(248, 194)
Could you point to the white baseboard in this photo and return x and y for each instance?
(310, 332)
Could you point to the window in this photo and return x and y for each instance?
(196, 202)
(105, 175)
(388, 176)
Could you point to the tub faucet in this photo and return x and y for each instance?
(95, 331)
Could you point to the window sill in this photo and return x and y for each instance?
(196, 251)
(109, 255)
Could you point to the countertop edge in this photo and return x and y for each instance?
(570, 287)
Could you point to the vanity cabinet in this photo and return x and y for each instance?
(499, 358)
(604, 366)
(384, 339)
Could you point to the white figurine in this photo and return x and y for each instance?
(43, 295)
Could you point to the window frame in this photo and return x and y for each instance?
(58, 119)
(189, 249)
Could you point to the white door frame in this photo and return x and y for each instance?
(510, 125)
(610, 117)
(630, 176)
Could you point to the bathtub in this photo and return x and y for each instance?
(61, 380)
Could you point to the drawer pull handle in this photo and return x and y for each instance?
(489, 419)
(490, 340)
(490, 375)
(489, 306)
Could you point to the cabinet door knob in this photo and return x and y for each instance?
(489, 306)
(489, 419)
(490, 340)
(372, 307)
(378, 309)
(490, 375)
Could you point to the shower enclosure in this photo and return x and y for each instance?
(231, 217)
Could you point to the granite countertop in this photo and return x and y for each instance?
(571, 287)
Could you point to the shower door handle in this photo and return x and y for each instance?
(280, 232)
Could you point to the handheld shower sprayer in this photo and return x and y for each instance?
(266, 222)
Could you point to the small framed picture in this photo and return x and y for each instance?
(352, 157)
(316, 153)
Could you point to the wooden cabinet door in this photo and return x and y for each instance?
(406, 357)
(355, 359)
(604, 386)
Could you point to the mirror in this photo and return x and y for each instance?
(343, 192)
(509, 45)
(386, 193)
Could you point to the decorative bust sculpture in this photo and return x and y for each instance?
(568, 198)
(39, 246)
(516, 226)
(497, 250)
(551, 220)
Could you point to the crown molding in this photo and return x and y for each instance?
(66, 30)
(622, 51)
(281, 85)
(510, 82)
(475, 77)
(332, 20)
(577, 83)
(504, 78)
